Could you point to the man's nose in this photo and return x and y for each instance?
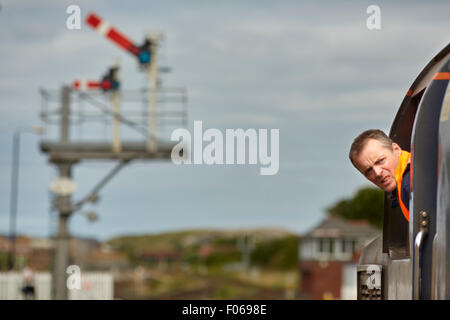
(377, 171)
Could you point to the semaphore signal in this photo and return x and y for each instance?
(86, 85)
(109, 82)
(65, 153)
(142, 52)
(146, 55)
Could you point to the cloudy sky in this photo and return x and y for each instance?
(311, 69)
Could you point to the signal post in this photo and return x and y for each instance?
(65, 152)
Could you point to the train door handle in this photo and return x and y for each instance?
(418, 241)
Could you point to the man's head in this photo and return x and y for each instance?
(376, 156)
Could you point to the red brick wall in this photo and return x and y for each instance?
(320, 280)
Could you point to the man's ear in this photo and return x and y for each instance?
(396, 148)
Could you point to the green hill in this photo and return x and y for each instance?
(272, 248)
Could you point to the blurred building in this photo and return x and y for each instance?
(153, 258)
(40, 252)
(80, 250)
(88, 254)
(37, 252)
(105, 258)
(328, 256)
(4, 244)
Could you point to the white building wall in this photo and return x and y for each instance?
(309, 249)
(348, 288)
(94, 286)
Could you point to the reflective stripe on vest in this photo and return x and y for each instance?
(403, 161)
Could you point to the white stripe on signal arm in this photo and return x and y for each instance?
(80, 84)
(104, 27)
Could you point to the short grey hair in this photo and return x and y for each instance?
(361, 140)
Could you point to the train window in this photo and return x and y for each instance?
(395, 226)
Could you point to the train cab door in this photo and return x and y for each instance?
(441, 267)
(416, 129)
(424, 181)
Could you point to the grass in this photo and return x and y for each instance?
(177, 283)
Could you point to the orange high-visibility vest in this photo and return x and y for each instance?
(403, 161)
